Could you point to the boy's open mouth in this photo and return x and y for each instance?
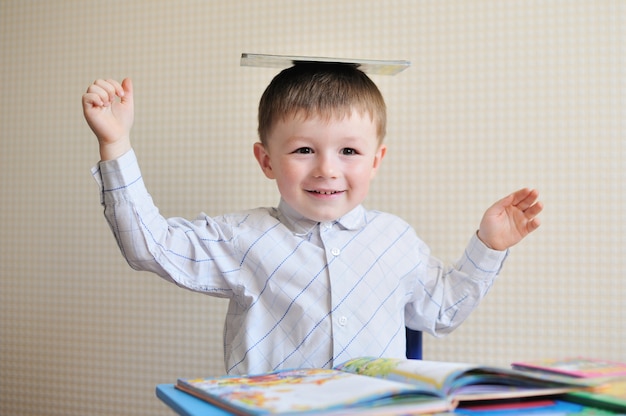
(324, 192)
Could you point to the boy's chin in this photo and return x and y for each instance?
(326, 216)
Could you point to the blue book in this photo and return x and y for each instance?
(185, 404)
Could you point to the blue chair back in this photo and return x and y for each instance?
(413, 344)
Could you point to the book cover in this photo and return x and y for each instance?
(369, 66)
(532, 407)
(610, 395)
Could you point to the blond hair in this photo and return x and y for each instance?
(325, 90)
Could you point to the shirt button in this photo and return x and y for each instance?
(343, 321)
(335, 251)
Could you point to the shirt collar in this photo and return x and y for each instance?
(299, 224)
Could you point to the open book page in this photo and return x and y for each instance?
(460, 381)
(309, 390)
(433, 376)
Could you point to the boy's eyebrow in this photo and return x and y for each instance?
(369, 66)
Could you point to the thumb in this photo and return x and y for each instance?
(507, 200)
(127, 86)
(501, 205)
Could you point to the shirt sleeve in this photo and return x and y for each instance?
(173, 248)
(449, 293)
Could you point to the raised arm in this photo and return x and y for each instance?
(108, 109)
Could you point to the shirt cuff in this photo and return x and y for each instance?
(484, 259)
(117, 175)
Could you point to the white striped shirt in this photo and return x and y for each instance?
(302, 293)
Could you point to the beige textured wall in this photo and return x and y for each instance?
(500, 95)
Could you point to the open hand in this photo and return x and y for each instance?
(510, 219)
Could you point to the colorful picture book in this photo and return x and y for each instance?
(576, 367)
(370, 386)
(606, 378)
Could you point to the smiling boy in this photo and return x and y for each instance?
(318, 279)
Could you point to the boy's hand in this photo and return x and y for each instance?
(510, 219)
(108, 109)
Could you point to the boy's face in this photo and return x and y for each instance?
(322, 168)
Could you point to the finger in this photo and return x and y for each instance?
(533, 210)
(127, 89)
(119, 91)
(96, 90)
(101, 92)
(533, 224)
(525, 198)
(91, 99)
(520, 195)
(111, 87)
(503, 203)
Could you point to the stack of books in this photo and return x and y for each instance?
(605, 380)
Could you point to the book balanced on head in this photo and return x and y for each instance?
(371, 386)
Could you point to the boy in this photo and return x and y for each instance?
(318, 279)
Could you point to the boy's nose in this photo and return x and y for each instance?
(325, 167)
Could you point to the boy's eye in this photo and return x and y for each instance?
(304, 150)
(348, 151)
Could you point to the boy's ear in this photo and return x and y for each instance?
(261, 155)
(378, 158)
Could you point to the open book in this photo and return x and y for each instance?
(575, 367)
(370, 386)
(607, 379)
